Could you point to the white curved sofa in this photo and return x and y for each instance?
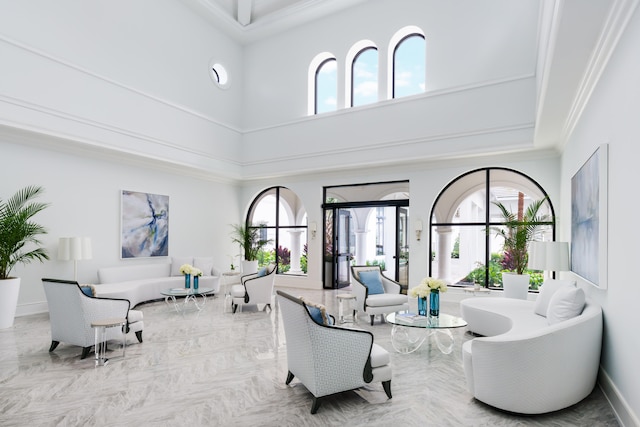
(144, 282)
(525, 365)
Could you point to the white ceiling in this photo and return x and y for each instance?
(250, 20)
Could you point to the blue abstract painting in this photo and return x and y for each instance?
(145, 225)
(589, 219)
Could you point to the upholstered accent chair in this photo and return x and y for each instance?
(375, 293)
(71, 312)
(256, 288)
(329, 359)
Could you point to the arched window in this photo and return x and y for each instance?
(364, 77)
(282, 219)
(326, 86)
(409, 69)
(463, 249)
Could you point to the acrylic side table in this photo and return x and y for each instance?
(349, 299)
(100, 327)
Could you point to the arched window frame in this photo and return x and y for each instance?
(315, 67)
(486, 223)
(396, 40)
(352, 56)
(297, 213)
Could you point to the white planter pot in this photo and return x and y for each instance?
(249, 267)
(9, 291)
(515, 285)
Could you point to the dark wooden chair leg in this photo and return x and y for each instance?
(315, 405)
(289, 378)
(85, 352)
(235, 306)
(387, 388)
(372, 317)
(54, 344)
(139, 336)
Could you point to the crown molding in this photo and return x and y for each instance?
(615, 25)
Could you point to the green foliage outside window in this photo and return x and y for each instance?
(495, 274)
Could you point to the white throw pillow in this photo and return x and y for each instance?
(177, 262)
(549, 287)
(565, 304)
(205, 264)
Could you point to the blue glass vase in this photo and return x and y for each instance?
(187, 281)
(196, 280)
(422, 306)
(434, 303)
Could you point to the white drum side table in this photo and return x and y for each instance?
(100, 327)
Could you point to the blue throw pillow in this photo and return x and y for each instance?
(87, 290)
(262, 271)
(316, 314)
(372, 281)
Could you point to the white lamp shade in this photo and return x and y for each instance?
(549, 256)
(74, 248)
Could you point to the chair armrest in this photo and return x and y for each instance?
(390, 286)
(361, 292)
(349, 350)
(104, 308)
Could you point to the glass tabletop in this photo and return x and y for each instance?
(186, 291)
(415, 321)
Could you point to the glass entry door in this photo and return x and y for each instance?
(343, 243)
(402, 248)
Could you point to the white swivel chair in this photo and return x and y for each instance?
(329, 359)
(71, 313)
(255, 288)
(383, 298)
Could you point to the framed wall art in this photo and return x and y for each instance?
(144, 225)
(589, 219)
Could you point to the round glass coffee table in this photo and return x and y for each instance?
(189, 294)
(410, 330)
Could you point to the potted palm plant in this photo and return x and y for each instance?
(249, 240)
(16, 232)
(518, 231)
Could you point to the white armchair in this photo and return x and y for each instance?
(387, 299)
(71, 313)
(254, 288)
(329, 359)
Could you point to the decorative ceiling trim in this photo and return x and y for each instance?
(615, 25)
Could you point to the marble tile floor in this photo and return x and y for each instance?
(214, 368)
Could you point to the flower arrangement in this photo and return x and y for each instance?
(186, 269)
(427, 285)
(196, 272)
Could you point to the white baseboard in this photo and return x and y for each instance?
(624, 413)
(33, 308)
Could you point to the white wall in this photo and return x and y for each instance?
(129, 75)
(480, 88)
(612, 117)
(84, 193)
